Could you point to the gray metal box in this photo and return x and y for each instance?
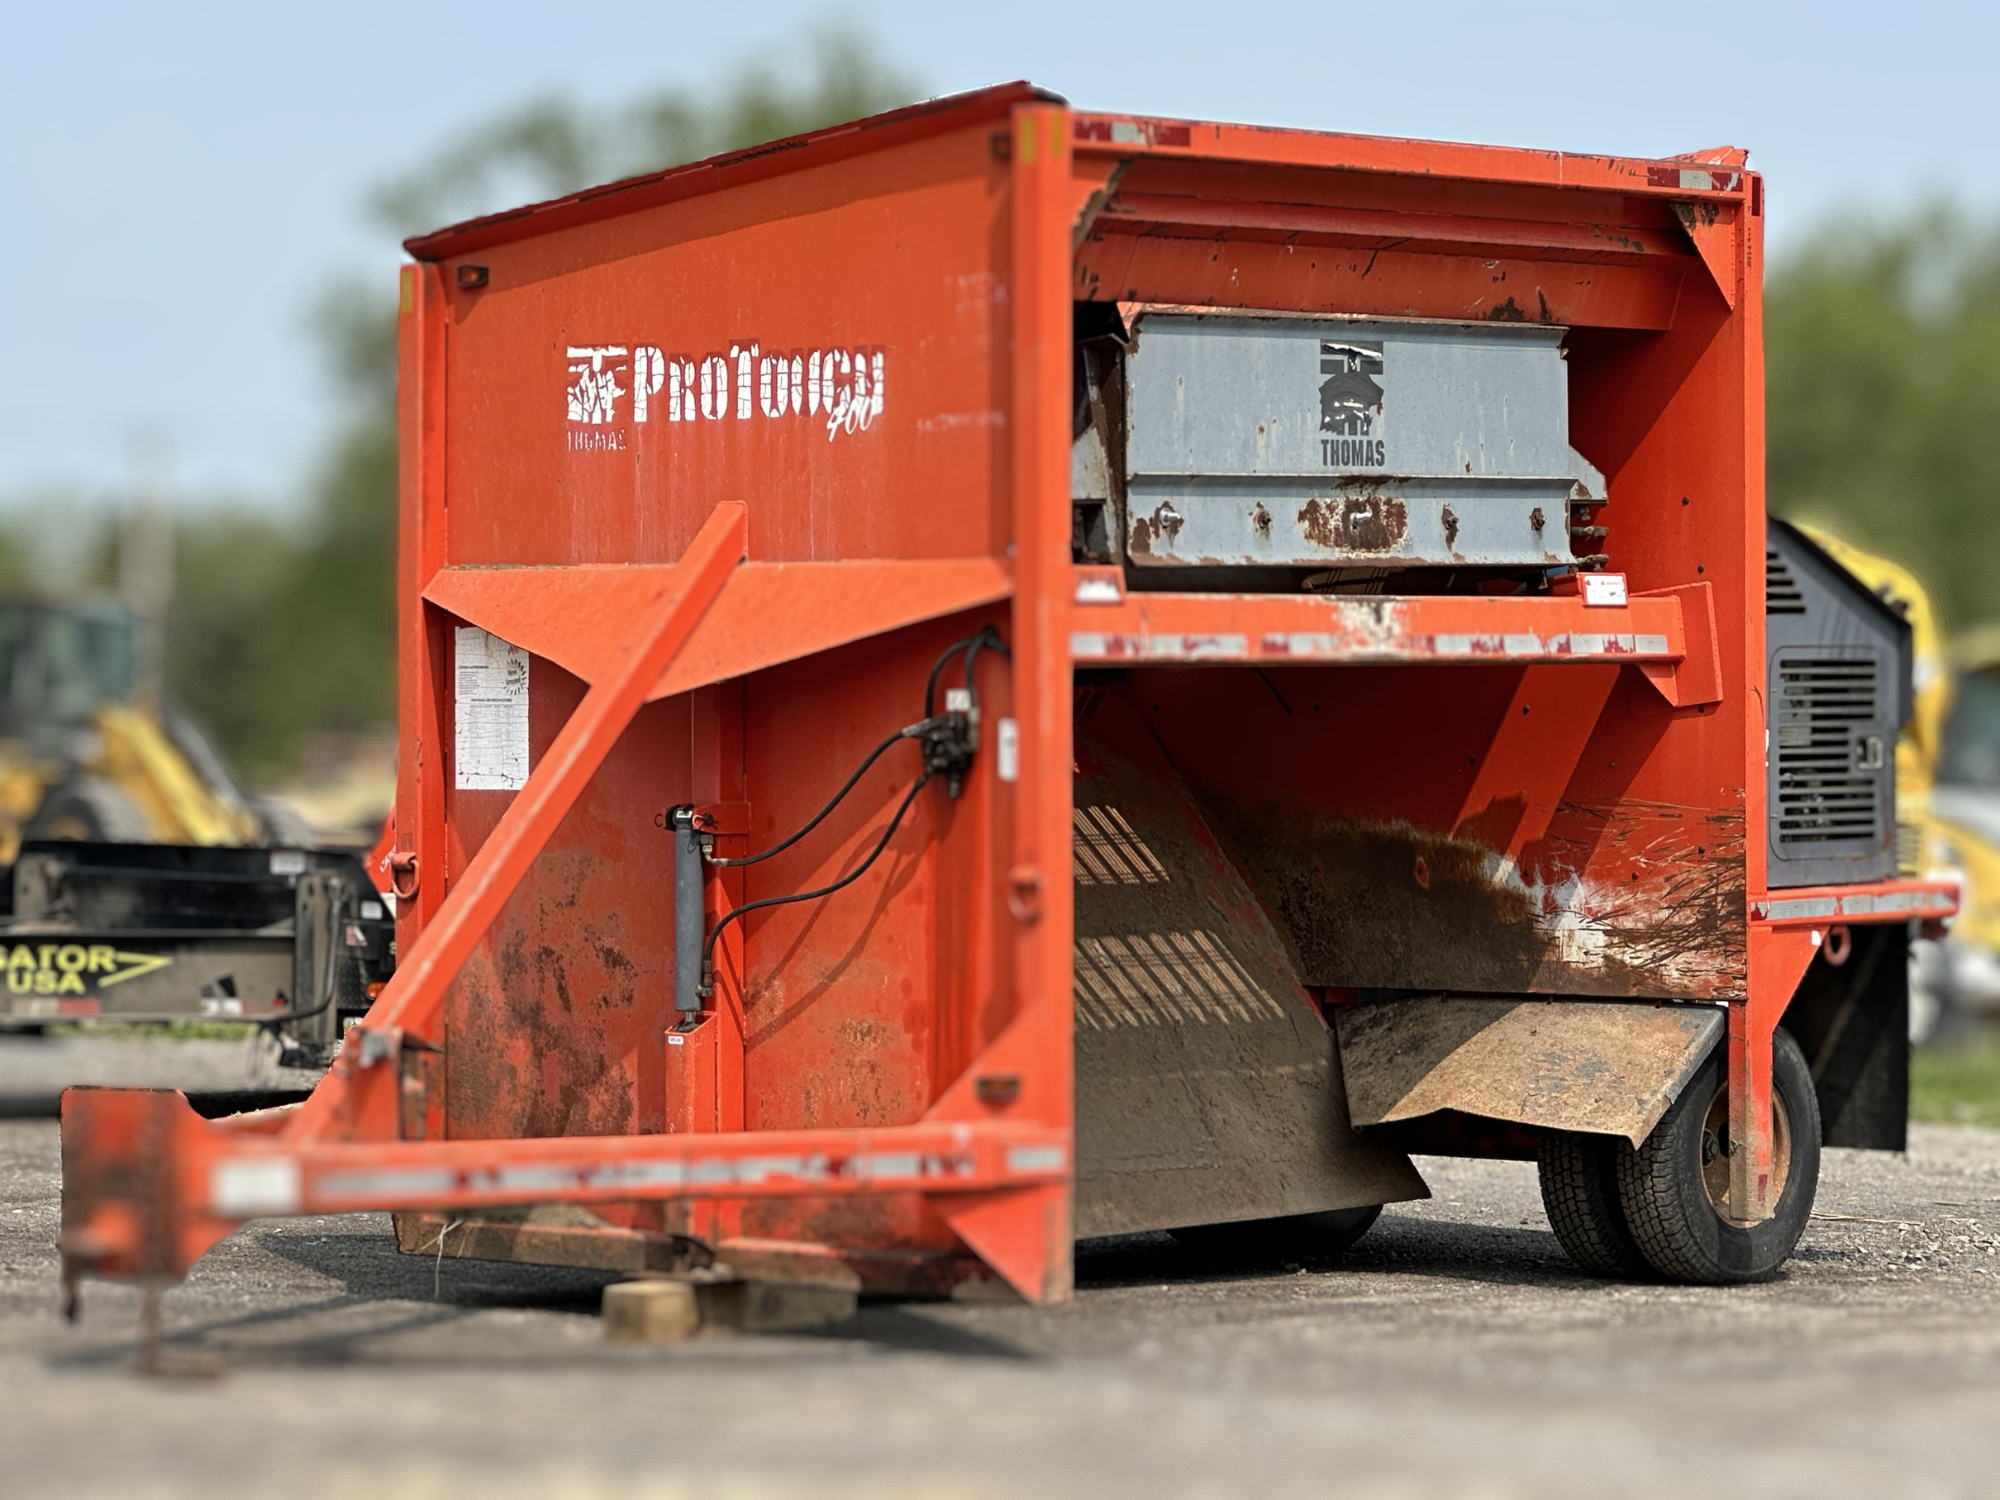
(1340, 443)
(1840, 688)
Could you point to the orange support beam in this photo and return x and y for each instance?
(357, 1091)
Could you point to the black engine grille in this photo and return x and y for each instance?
(1825, 706)
(1781, 590)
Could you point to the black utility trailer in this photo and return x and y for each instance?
(296, 940)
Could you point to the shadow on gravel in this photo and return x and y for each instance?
(371, 1269)
(905, 1330)
(373, 1278)
(318, 1347)
(1395, 1246)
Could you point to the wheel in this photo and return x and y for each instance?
(89, 810)
(1675, 1188)
(1293, 1237)
(1580, 1192)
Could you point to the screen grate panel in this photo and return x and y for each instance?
(1826, 705)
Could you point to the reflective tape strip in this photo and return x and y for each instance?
(1860, 904)
(248, 1187)
(1799, 909)
(1036, 1161)
(378, 1185)
(638, 1174)
(1177, 647)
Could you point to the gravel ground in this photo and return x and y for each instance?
(34, 1070)
(1452, 1352)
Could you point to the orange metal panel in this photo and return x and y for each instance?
(1543, 731)
(420, 551)
(1679, 178)
(410, 1004)
(766, 614)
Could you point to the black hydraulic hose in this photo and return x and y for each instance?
(972, 645)
(819, 817)
(708, 948)
(937, 671)
(987, 640)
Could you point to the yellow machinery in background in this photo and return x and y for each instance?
(84, 756)
(1947, 798)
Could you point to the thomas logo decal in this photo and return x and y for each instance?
(1350, 404)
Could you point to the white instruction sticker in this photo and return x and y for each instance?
(490, 712)
(1604, 590)
(1009, 750)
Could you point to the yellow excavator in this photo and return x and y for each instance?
(87, 755)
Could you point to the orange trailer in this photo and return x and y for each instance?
(1320, 581)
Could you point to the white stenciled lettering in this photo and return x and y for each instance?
(715, 387)
(836, 387)
(680, 388)
(744, 355)
(844, 386)
(854, 398)
(779, 381)
(857, 409)
(649, 372)
(593, 387)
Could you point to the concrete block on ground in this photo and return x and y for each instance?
(772, 1307)
(654, 1311)
(666, 1308)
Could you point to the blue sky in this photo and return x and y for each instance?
(182, 182)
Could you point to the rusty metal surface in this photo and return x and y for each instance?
(1207, 1085)
(1254, 441)
(1611, 1069)
(1456, 629)
(1351, 847)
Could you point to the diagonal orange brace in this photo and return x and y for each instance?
(358, 1088)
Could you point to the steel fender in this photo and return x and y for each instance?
(1610, 1068)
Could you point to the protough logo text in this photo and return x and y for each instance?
(1350, 404)
(610, 382)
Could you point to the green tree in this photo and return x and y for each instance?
(278, 632)
(1882, 348)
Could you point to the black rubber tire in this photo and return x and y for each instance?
(1294, 1237)
(1579, 1176)
(1668, 1208)
(92, 810)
